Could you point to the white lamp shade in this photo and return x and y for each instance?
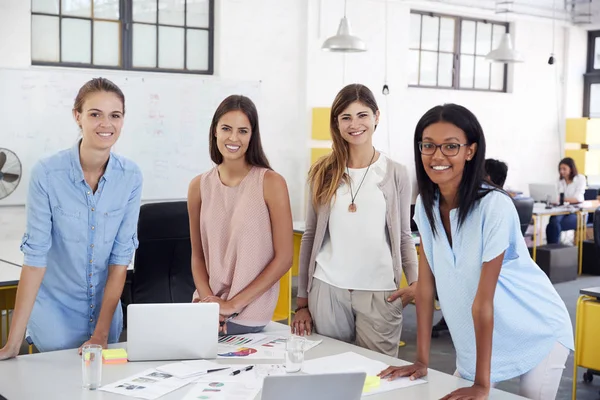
(505, 52)
(344, 41)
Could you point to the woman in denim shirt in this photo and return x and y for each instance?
(82, 212)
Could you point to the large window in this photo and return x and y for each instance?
(147, 35)
(591, 79)
(449, 52)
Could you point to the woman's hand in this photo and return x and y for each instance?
(302, 323)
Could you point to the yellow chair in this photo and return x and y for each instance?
(296, 259)
(587, 346)
(283, 309)
(7, 303)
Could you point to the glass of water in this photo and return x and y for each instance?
(91, 364)
(294, 353)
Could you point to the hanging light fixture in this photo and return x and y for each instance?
(344, 41)
(505, 52)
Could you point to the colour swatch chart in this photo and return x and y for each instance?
(256, 346)
(221, 390)
(239, 345)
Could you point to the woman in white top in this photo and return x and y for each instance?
(357, 240)
(572, 185)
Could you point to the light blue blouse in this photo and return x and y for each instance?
(529, 315)
(76, 234)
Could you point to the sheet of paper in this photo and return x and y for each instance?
(150, 384)
(352, 362)
(221, 390)
(186, 369)
(264, 348)
(253, 377)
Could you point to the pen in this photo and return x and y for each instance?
(242, 370)
(226, 320)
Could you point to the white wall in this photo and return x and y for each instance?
(259, 40)
(522, 127)
(278, 42)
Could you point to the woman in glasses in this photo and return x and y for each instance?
(504, 316)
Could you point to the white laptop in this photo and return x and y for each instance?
(541, 192)
(342, 386)
(172, 331)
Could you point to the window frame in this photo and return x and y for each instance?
(591, 76)
(457, 52)
(126, 43)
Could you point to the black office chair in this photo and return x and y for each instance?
(524, 208)
(162, 266)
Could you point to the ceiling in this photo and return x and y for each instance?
(580, 12)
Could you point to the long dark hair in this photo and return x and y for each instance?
(326, 175)
(569, 162)
(255, 154)
(470, 190)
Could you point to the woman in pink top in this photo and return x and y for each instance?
(240, 222)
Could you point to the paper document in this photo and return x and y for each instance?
(352, 362)
(150, 384)
(186, 369)
(221, 390)
(258, 347)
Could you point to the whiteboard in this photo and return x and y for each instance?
(167, 119)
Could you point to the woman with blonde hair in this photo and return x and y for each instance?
(357, 240)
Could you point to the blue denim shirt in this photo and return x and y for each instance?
(76, 234)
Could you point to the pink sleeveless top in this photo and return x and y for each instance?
(235, 227)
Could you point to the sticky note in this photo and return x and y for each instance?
(371, 382)
(114, 356)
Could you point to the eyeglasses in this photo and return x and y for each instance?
(448, 149)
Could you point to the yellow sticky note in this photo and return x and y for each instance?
(371, 382)
(111, 354)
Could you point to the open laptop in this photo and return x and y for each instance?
(172, 331)
(541, 192)
(339, 386)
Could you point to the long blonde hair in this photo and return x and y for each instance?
(329, 172)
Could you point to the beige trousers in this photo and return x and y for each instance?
(364, 318)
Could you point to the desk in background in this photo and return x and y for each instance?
(59, 374)
(9, 279)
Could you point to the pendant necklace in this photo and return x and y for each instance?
(352, 206)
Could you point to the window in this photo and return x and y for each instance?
(591, 79)
(144, 35)
(449, 52)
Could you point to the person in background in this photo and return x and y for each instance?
(505, 317)
(496, 172)
(240, 222)
(358, 239)
(572, 185)
(82, 211)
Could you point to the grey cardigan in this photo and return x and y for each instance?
(396, 188)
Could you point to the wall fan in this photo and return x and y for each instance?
(10, 172)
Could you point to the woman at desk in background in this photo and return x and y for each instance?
(240, 222)
(505, 317)
(82, 211)
(358, 238)
(572, 185)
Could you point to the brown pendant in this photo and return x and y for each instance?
(352, 208)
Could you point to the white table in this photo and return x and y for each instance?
(9, 274)
(10, 252)
(57, 375)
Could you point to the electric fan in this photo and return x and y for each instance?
(10, 172)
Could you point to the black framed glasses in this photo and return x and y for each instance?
(447, 149)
